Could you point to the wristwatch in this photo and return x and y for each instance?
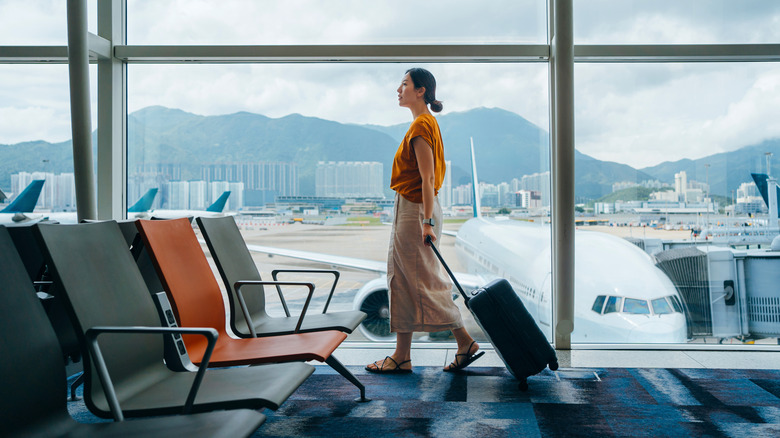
(429, 222)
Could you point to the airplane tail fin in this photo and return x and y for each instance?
(477, 204)
(145, 203)
(219, 204)
(25, 202)
(763, 187)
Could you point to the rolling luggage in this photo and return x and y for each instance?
(509, 327)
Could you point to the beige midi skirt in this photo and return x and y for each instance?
(420, 290)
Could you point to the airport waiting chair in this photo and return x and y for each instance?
(238, 271)
(33, 377)
(26, 245)
(197, 301)
(103, 287)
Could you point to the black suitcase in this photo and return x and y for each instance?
(509, 327)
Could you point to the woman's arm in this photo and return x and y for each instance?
(424, 154)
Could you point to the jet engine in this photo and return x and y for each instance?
(373, 299)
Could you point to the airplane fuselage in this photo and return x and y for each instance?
(644, 309)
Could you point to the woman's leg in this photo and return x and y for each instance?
(403, 347)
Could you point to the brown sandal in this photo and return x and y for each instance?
(382, 369)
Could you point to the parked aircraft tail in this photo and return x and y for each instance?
(145, 203)
(25, 202)
(219, 204)
(760, 180)
(477, 204)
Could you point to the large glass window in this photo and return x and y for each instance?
(665, 177)
(336, 22)
(306, 152)
(35, 132)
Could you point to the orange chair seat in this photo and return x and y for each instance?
(285, 348)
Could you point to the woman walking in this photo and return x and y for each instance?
(420, 292)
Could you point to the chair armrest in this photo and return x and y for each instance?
(237, 287)
(94, 349)
(336, 275)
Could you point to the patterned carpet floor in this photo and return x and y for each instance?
(486, 402)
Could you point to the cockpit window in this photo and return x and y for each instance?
(633, 305)
(661, 306)
(676, 303)
(598, 305)
(613, 305)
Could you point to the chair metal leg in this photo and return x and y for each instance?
(79, 380)
(339, 367)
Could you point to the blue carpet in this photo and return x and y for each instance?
(485, 402)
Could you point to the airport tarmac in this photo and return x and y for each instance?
(365, 242)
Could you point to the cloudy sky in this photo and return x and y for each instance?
(638, 114)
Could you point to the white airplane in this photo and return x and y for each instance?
(215, 209)
(620, 295)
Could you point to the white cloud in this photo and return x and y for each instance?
(682, 111)
(35, 103)
(676, 22)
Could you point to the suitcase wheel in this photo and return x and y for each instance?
(523, 385)
(554, 365)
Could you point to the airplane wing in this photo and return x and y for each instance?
(467, 281)
(328, 259)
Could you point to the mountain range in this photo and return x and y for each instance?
(506, 146)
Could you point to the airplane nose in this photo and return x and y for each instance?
(658, 332)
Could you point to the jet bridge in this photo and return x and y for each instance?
(726, 292)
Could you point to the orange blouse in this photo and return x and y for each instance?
(405, 178)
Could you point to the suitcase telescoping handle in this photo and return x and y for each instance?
(452, 276)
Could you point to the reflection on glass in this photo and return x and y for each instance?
(613, 304)
(598, 305)
(639, 307)
(661, 306)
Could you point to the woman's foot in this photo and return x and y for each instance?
(388, 365)
(465, 357)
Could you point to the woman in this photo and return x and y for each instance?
(420, 291)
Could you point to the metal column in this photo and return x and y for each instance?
(81, 123)
(562, 90)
